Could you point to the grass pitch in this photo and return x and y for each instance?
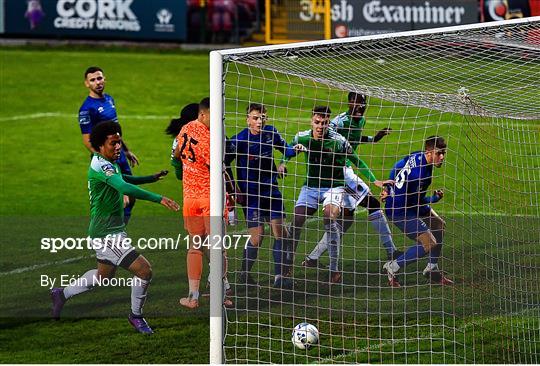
(491, 315)
(44, 194)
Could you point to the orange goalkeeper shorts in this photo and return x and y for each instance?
(197, 215)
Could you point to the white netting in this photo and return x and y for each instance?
(478, 88)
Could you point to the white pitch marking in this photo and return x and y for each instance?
(74, 116)
(41, 265)
(380, 345)
(372, 120)
(32, 116)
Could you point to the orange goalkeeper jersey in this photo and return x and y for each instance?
(194, 150)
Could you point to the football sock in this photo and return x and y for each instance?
(276, 252)
(322, 245)
(138, 295)
(320, 248)
(194, 270)
(412, 254)
(333, 230)
(431, 267)
(128, 209)
(435, 254)
(84, 283)
(250, 255)
(379, 223)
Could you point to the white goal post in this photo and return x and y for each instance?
(479, 86)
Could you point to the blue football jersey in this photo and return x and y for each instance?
(412, 176)
(256, 172)
(94, 111)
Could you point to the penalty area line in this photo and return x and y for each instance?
(41, 265)
(74, 116)
(411, 124)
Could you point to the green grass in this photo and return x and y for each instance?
(491, 246)
(44, 194)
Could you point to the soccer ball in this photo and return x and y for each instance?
(305, 336)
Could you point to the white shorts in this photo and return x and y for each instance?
(313, 197)
(358, 190)
(115, 250)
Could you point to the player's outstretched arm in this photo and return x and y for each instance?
(132, 158)
(282, 167)
(372, 139)
(385, 131)
(362, 166)
(437, 196)
(145, 179)
(129, 189)
(282, 146)
(170, 204)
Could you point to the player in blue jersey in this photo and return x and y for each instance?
(409, 209)
(256, 177)
(99, 107)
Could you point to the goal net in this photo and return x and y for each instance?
(478, 87)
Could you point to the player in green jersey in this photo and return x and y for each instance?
(107, 186)
(326, 152)
(350, 124)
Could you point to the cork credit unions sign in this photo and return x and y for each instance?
(112, 19)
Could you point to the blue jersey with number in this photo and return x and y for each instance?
(94, 111)
(412, 176)
(256, 172)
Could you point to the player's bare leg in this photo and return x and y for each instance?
(86, 282)
(194, 268)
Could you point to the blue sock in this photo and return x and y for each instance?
(411, 255)
(277, 251)
(250, 255)
(379, 223)
(127, 213)
(435, 254)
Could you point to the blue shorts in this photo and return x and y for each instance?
(411, 225)
(264, 208)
